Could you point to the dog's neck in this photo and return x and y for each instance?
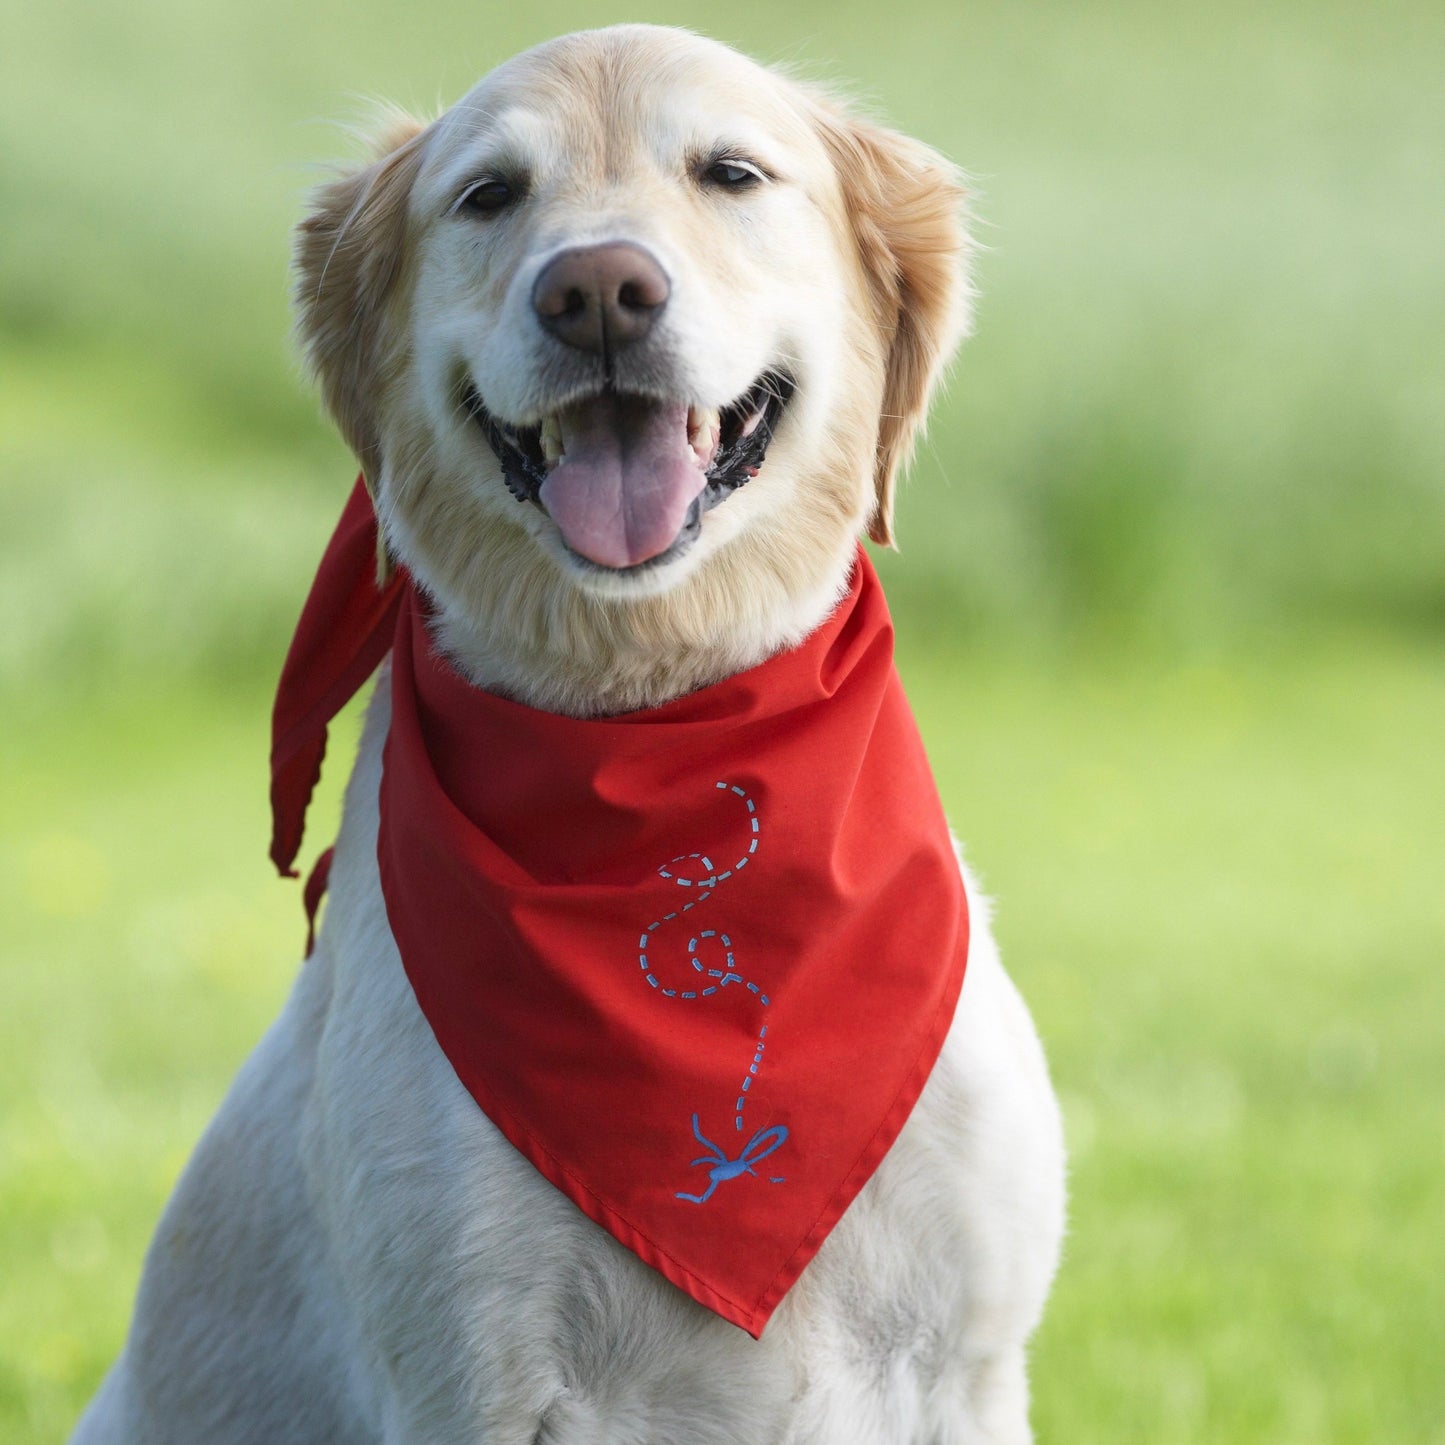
(568, 652)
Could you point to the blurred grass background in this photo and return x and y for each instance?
(1171, 589)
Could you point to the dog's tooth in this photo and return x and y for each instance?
(701, 423)
(751, 424)
(704, 429)
(552, 447)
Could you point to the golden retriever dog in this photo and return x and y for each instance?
(627, 238)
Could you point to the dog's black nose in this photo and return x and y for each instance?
(600, 298)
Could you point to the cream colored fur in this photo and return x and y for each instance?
(354, 1254)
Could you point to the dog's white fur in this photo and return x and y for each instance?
(354, 1253)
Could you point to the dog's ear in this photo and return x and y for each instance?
(905, 205)
(348, 255)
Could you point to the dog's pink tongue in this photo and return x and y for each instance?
(627, 477)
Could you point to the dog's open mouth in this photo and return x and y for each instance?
(626, 478)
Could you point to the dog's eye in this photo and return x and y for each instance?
(487, 197)
(732, 174)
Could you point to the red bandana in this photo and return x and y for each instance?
(694, 962)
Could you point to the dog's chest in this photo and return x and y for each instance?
(468, 1266)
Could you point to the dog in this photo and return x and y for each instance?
(622, 242)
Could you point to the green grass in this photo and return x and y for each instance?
(148, 945)
(1218, 886)
(1172, 593)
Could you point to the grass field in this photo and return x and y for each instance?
(1218, 886)
(1172, 591)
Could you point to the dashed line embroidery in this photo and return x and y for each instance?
(711, 982)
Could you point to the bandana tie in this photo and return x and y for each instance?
(694, 962)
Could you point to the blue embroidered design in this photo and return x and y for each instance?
(751, 1074)
(721, 1168)
(765, 1141)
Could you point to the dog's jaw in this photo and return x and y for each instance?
(716, 451)
(634, 677)
(512, 617)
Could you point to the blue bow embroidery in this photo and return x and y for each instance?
(763, 1143)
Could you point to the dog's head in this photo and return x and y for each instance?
(631, 343)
